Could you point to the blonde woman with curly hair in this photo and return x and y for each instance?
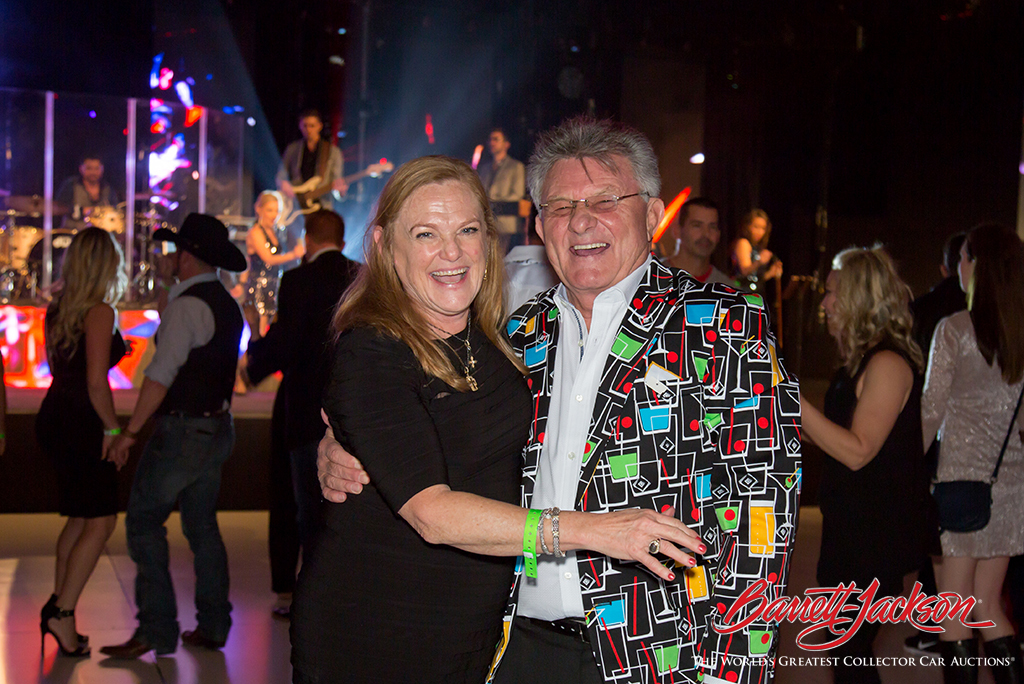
(76, 424)
(874, 486)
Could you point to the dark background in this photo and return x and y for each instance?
(902, 119)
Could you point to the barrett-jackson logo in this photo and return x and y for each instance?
(832, 608)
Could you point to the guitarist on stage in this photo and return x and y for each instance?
(311, 157)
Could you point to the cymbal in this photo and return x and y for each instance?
(32, 204)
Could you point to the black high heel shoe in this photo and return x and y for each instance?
(49, 610)
(44, 628)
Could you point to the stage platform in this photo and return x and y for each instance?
(29, 484)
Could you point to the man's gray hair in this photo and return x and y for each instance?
(585, 137)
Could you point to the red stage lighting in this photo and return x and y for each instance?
(429, 129)
(670, 213)
(193, 114)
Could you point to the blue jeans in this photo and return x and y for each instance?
(307, 493)
(180, 464)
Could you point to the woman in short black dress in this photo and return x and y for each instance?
(76, 422)
(873, 488)
(407, 582)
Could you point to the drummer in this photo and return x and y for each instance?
(85, 191)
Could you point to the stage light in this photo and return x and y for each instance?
(193, 114)
(429, 130)
(195, 175)
(168, 160)
(166, 77)
(342, 31)
(92, 113)
(154, 74)
(478, 152)
(1021, 168)
(184, 93)
(239, 109)
(209, 77)
(251, 121)
(337, 60)
(697, 158)
(670, 213)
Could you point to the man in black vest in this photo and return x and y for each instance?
(299, 344)
(188, 387)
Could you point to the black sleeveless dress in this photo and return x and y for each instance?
(71, 433)
(874, 519)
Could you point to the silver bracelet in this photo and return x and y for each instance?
(546, 513)
(554, 533)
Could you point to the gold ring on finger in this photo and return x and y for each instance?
(654, 547)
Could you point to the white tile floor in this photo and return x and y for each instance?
(258, 648)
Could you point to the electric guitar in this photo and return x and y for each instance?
(307, 195)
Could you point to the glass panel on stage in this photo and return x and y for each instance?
(22, 165)
(183, 159)
(172, 142)
(90, 134)
(224, 180)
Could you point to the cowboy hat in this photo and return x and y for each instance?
(206, 238)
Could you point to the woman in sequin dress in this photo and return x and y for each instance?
(266, 257)
(975, 373)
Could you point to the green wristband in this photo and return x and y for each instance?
(530, 542)
(112, 432)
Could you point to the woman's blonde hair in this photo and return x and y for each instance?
(872, 305)
(268, 195)
(377, 298)
(93, 272)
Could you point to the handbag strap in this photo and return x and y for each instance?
(1006, 440)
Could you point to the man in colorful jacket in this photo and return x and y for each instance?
(664, 392)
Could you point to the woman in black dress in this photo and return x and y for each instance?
(873, 488)
(76, 423)
(408, 581)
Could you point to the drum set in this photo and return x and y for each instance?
(21, 245)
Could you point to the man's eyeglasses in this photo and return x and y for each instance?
(600, 204)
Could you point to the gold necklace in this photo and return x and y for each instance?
(470, 363)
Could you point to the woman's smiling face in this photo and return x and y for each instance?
(440, 251)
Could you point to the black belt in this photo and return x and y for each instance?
(189, 414)
(572, 627)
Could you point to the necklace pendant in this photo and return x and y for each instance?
(472, 382)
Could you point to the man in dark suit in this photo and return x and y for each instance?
(299, 345)
(945, 299)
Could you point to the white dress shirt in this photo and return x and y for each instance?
(580, 361)
(185, 324)
(527, 273)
